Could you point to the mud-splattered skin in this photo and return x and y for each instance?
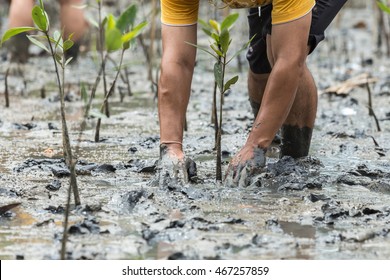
(171, 170)
(296, 141)
(240, 173)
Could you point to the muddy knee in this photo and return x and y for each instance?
(296, 141)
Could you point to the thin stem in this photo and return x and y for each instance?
(370, 108)
(67, 150)
(101, 51)
(6, 93)
(105, 101)
(219, 136)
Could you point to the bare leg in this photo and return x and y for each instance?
(256, 88)
(177, 68)
(20, 13)
(72, 19)
(298, 127)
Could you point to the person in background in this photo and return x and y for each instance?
(281, 88)
(72, 21)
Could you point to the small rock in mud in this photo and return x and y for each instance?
(54, 185)
(178, 256)
(55, 210)
(105, 168)
(142, 166)
(132, 198)
(317, 197)
(332, 210)
(6, 192)
(150, 142)
(44, 223)
(89, 225)
(25, 126)
(52, 126)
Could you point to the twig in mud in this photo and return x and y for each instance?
(129, 92)
(370, 108)
(43, 92)
(6, 93)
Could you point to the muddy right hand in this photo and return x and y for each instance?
(174, 171)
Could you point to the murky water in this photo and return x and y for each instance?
(331, 206)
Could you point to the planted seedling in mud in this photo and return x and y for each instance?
(56, 46)
(118, 35)
(219, 47)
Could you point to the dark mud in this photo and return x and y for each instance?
(333, 204)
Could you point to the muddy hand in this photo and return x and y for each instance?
(174, 171)
(248, 162)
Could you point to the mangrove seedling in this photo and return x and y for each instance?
(119, 34)
(56, 46)
(219, 47)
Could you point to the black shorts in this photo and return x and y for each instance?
(322, 15)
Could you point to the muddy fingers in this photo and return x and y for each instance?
(241, 169)
(173, 171)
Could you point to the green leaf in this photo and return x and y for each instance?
(40, 18)
(15, 31)
(216, 50)
(215, 37)
(111, 22)
(68, 44)
(224, 41)
(207, 31)
(229, 21)
(205, 27)
(58, 58)
(113, 39)
(68, 60)
(202, 49)
(58, 39)
(215, 25)
(203, 23)
(382, 5)
(134, 33)
(37, 43)
(229, 83)
(218, 74)
(244, 47)
(127, 18)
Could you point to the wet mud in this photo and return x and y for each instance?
(333, 204)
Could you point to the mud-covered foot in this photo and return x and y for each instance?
(247, 163)
(174, 170)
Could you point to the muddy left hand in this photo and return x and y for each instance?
(248, 162)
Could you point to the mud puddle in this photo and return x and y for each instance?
(331, 205)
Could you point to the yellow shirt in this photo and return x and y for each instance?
(185, 12)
